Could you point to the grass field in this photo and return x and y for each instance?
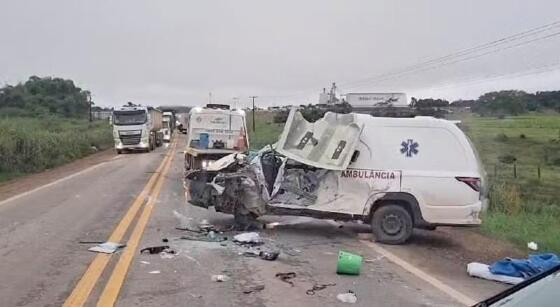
(523, 208)
(29, 145)
(266, 131)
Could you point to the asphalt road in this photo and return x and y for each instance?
(43, 262)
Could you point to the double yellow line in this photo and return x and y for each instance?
(108, 297)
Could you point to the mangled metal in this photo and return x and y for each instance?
(291, 177)
(329, 143)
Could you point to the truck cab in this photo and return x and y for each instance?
(213, 132)
(168, 125)
(136, 128)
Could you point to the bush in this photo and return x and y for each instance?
(522, 136)
(506, 198)
(280, 117)
(502, 137)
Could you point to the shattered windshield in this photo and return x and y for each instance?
(129, 117)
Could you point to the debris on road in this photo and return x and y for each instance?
(167, 255)
(90, 242)
(185, 223)
(532, 246)
(348, 263)
(157, 249)
(482, 270)
(250, 238)
(154, 272)
(107, 247)
(220, 278)
(270, 256)
(165, 240)
(252, 289)
(286, 277)
(349, 297)
(318, 287)
(144, 262)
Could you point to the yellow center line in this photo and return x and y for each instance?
(83, 288)
(114, 285)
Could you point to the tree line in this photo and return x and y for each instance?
(44, 96)
(509, 102)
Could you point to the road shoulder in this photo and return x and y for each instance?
(30, 182)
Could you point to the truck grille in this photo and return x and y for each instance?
(131, 139)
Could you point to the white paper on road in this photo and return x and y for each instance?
(481, 270)
(107, 247)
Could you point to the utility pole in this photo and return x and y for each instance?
(253, 97)
(89, 104)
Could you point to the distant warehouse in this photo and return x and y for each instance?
(366, 102)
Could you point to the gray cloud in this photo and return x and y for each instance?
(176, 52)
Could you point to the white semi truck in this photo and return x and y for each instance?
(213, 132)
(137, 128)
(168, 125)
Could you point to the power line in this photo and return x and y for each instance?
(467, 59)
(444, 60)
(533, 71)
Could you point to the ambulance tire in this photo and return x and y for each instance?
(391, 224)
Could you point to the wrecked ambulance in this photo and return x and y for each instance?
(394, 173)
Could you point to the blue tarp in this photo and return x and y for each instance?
(525, 268)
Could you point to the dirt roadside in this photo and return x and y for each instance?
(29, 182)
(445, 253)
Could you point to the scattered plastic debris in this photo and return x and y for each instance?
(271, 225)
(318, 287)
(252, 289)
(270, 256)
(286, 277)
(374, 259)
(220, 278)
(144, 262)
(157, 249)
(90, 242)
(349, 297)
(251, 238)
(167, 255)
(107, 247)
(154, 272)
(532, 246)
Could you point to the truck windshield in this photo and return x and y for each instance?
(129, 117)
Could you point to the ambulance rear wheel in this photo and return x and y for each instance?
(391, 224)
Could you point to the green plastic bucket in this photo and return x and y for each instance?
(348, 263)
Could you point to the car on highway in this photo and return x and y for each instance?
(394, 173)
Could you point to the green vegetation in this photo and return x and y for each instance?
(30, 145)
(523, 206)
(42, 96)
(266, 130)
(42, 125)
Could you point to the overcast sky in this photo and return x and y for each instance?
(285, 52)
